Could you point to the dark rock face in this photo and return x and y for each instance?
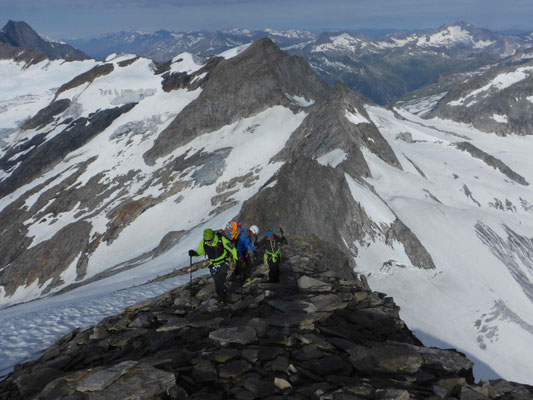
(48, 259)
(20, 34)
(89, 76)
(247, 84)
(416, 252)
(327, 128)
(491, 161)
(47, 114)
(181, 345)
(306, 198)
(28, 56)
(45, 156)
(180, 80)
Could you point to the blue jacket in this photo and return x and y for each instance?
(244, 243)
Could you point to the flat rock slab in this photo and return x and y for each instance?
(101, 379)
(180, 323)
(237, 334)
(292, 319)
(127, 380)
(308, 283)
(386, 358)
(328, 302)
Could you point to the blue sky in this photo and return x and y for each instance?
(83, 18)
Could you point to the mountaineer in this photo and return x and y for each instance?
(244, 245)
(220, 253)
(233, 230)
(272, 257)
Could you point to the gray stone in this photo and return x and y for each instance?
(450, 361)
(240, 335)
(311, 338)
(280, 364)
(469, 394)
(99, 333)
(328, 365)
(138, 382)
(260, 326)
(251, 355)
(258, 386)
(101, 379)
(387, 358)
(392, 394)
(225, 355)
(292, 320)
(328, 302)
(142, 321)
(204, 371)
(233, 369)
(307, 282)
(282, 384)
(32, 383)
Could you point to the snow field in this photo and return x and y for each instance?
(444, 304)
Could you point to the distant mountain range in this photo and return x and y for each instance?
(383, 69)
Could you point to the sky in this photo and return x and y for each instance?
(64, 19)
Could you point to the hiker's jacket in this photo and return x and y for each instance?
(272, 247)
(243, 244)
(217, 251)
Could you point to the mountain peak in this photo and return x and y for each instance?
(260, 77)
(20, 34)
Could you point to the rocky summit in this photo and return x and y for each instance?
(319, 334)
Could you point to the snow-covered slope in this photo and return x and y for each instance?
(475, 222)
(24, 91)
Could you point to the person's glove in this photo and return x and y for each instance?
(193, 253)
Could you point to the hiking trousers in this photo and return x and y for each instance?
(273, 270)
(246, 268)
(219, 276)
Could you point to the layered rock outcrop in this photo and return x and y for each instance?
(319, 334)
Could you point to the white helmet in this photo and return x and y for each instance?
(254, 229)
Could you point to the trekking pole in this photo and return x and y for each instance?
(190, 279)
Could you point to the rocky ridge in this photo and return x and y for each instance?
(319, 334)
(20, 35)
